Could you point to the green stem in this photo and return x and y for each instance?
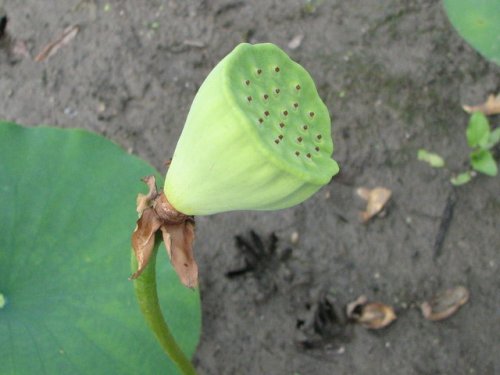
(147, 296)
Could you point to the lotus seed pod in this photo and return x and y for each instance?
(257, 137)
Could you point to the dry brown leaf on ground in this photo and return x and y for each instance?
(63, 39)
(376, 200)
(445, 303)
(490, 107)
(371, 315)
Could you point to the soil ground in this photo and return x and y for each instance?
(394, 74)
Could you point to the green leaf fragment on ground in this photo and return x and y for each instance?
(68, 209)
(433, 159)
(461, 179)
(478, 130)
(494, 138)
(483, 161)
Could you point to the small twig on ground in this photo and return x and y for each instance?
(63, 39)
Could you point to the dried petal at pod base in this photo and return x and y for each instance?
(167, 213)
(371, 315)
(143, 239)
(490, 107)
(157, 214)
(178, 239)
(445, 303)
(145, 201)
(376, 200)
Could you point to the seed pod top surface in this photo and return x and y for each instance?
(280, 106)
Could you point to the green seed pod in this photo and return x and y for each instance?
(257, 137)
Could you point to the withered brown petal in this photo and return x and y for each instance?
(143, 239)
(445, 303)
(376, 315)
(371, 315)
(490, 107)
(179, 240)
(376, 200)
(145, 201)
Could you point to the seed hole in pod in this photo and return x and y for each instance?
(259, 71)
(316, 148)
(282, 125)
(285, 113)
(299, 139)
(266, 113)
(305, 127)
(297, 87)
(247, 82)
(277, 91)
(297, 153)
(276, 141)
(249, 98)
(266, 96)
(309, 156)
(280, 136)
(296, 105)
(277, 69)
(261, 120)
(319, 136)
(311, 114)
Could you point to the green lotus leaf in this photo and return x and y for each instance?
(478, 22)
(67, 307)
(257, 137)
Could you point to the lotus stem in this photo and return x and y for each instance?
(147, 297)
